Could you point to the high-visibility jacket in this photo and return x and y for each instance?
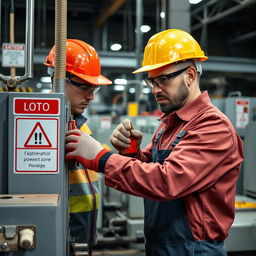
(82, 214)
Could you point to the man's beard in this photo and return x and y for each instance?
(175, 102)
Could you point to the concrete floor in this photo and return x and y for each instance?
(133, 252)
(120, 252)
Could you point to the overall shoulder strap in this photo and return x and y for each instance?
(178, 138)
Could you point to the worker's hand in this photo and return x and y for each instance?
(84, 149)
(123, 135)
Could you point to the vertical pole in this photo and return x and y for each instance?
(164, 11)
(139, 20)
(11, 34)
(60, 45)
(179, 14)
(0, 18)
(29, 38)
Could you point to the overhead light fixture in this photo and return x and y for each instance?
(145, 28)
(120, 81)
(46, 79)
(119, 87)
(194, 1)
(46, 90)
(146, 90)
(39, 85)
(116, 47)
(162, 15)
(132, 90)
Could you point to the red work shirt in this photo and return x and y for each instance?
(202, 168)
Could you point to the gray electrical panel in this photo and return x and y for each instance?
(34, 182)
(250, 161)
(241, 111)
(39, 212)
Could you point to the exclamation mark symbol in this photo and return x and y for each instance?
(40, 138)
(35, 137)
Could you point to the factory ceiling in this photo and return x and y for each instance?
(226, 30)
(224, 27)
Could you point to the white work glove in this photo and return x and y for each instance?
(84, 149)
(124, 135)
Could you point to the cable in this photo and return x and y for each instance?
(92, 228)
(93, 223)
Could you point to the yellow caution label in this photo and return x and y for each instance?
(242, 204)
(133, 109)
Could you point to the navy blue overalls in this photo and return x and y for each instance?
(166, 227)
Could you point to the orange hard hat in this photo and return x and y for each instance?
(82, 61)
(170, 46)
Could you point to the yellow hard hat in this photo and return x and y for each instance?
(170, 46)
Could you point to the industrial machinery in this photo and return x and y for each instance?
(34, 188)
(34, 185)
(242, 113)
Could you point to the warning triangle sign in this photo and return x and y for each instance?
(242, 118)
(38, 138)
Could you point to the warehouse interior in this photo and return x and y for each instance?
(226, 31)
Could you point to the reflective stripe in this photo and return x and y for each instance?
(81, 189)
(85, 128)
(78, 176)
(82, 203)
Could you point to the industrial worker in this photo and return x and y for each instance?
(187, 174)
(83, 80)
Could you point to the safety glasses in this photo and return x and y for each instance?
(83, 88)
(162, 80)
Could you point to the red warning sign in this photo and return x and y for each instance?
(38, 138)
(242, 113)
(36, 106)
(36, 145)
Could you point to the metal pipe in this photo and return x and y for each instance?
(157, 15)
(14, 82)
(200, 8)
(60, 45)
(29, 43)
(11, 35)
(38, 33)
(242, 38)
(29, 38)
(163, 10)
(44, 21)
(139, 20)
(0, 18)
(6, 17)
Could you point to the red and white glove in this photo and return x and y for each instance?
(84, 149)
(125, 138)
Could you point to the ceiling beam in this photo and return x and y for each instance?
(243, 38)
(220, 15)
(108, 11)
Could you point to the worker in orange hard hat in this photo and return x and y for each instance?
(83, 73)
(83, 80)
(188, 172)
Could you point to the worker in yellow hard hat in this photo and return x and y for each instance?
(83, 80)
(188, 172)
